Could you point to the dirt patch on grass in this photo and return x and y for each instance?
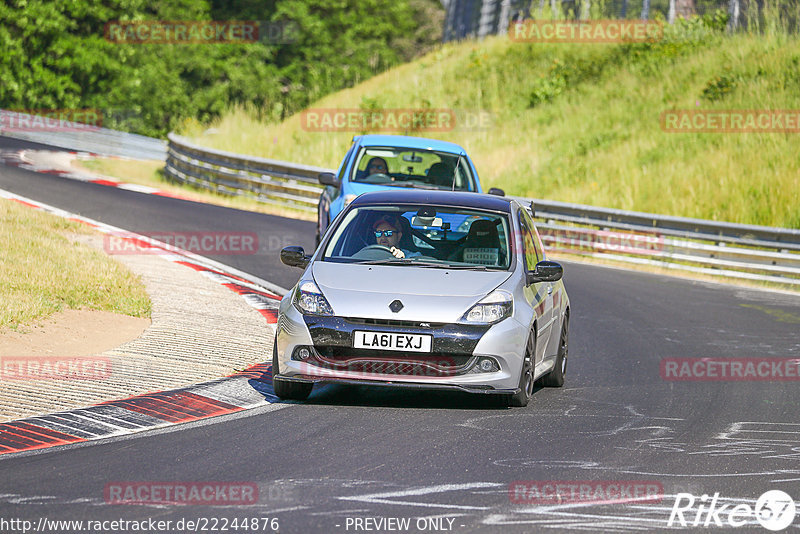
(71, 333)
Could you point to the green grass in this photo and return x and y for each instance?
(580, 122)
(42, 272)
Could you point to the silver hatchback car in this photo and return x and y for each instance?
(425, 289)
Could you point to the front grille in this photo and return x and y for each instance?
(392, 322)
(333, 336)
(372, 362)
(342, 354)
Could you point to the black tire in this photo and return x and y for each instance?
(555, 378)
(525, 393)
(286, 389)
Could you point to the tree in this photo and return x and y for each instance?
(53, 56)
(680, 8)
(733, 12)
(586, 9)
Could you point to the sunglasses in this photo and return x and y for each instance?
(387, 233)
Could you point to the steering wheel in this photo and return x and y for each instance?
(373, 252)
(377, 247)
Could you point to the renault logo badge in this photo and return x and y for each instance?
(396, 306)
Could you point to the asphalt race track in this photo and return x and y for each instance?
(149, 214)
(446, 461)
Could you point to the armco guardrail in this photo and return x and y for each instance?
(679, 243)
(82, 138)
(269, 181)
(709, 247)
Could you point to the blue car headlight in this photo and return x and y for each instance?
(493, 308)
(309, 299)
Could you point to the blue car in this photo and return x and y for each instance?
(380, 162)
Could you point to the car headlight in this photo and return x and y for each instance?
(310, 300)
(493, 308)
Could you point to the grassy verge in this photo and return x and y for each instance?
(42, 272)
(150, 173)
(581, 122)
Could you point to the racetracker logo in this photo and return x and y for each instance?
(183, 493)
(586, 31)
(200, 32)
(382, 120)
(55, 368)
(215, 243)
(585, 240)
(51, 120)
(585, 491)
(774, 510)
(730, 369)
(731, 121)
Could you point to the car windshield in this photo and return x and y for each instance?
(426, 236)
(409, 167)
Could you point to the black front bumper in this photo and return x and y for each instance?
(332, 335)
(451, 354)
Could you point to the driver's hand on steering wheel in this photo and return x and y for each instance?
(399, 254)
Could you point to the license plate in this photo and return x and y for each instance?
(392, 341)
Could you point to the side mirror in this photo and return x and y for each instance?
(497, 191)
(295, 257)
(328, 178)
(546, 271)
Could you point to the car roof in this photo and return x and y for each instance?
(406, 141)
(441, 198)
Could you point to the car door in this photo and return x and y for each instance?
(539, 296)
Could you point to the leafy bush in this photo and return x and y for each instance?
(550, 85)
(719, 88)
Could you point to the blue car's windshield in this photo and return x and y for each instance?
(408, 167)
(424, 235)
